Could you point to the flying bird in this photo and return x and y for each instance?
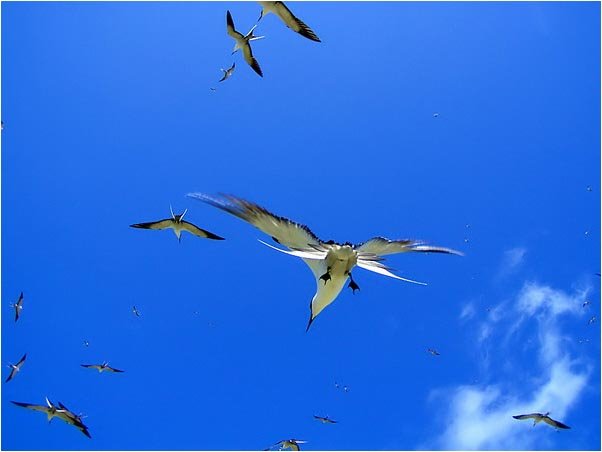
(228, 72)
(292, 444)
(433, 352)
(243, 42)
(177, 224)
(18, 306)
(324, 420)
(86, 343)
(16, 368)
(50, 409)
(538, 417)
(330, 262)
(104, 367)
(73, 419)
(592, 320)
(289, 19)
(135, 311)
(53, 411)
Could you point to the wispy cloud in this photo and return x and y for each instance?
(480, 416)
(511, 262)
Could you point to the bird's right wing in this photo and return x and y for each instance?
(293, 22)
(381, 246)
(284, 231)
(161, 224)
(195, 230)
(527, 416)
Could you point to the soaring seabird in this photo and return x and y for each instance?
(292, 444)
(289, 19)
(242, 42)
(538, 417)
(15, 368)
(18, 306)
(433, 352)
(101, 367)
(61, 412)
(73, 419)
(324, 419)
(330, 262)
(177, 224)
(135, 311)
(228, 72)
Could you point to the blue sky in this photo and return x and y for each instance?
(109, 118)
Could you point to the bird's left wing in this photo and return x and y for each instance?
(381, 246)
(195, 230)
(230, 26)
(556, 424)
(42, 408)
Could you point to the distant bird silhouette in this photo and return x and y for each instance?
(228, 72)
(177, 224)
(324, 420)
(538, 417)
(18, 307)
(135, 311)
(330, 262)
(16, 368)
(243, 43)
(86, 343)
(592, 320)
(104, 367)
(289, 19)
(586, 303)
(433, 352)
(291, 444)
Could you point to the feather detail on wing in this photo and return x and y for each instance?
(293, 22)
(284, 231)
(382, 246)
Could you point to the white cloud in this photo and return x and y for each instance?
(480, 417)
(511, 261)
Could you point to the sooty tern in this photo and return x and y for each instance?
(104, 367)
(538, 417)
(330, 262)
(177, 224)
(15, 368)
(289, 19)
(242, 42)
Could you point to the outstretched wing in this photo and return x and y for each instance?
(293, 22)
(112, 369)
(161, 224)
(282, 230)
(250, 59)
(30, 406)
(381, 246)
(528, 416)
(22, 360)
(198, 231)
(91, 366)
(230, 27)
(556, 424)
